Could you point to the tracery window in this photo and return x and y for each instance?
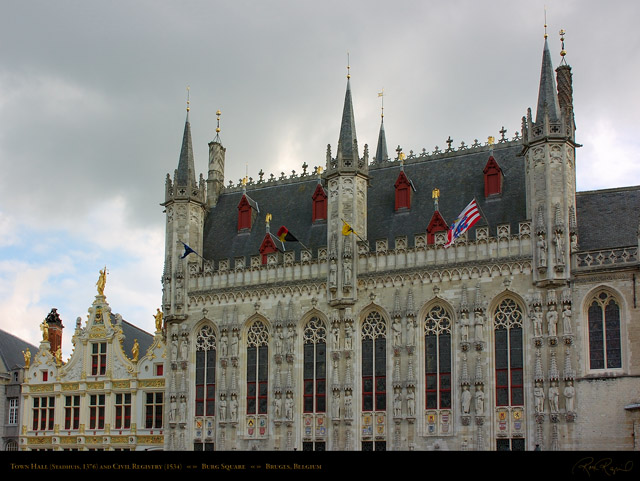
(509, 360)
(315, 366)
(437, 353)
(205, 372)
(257, 368)
(374, 363)
(604, 332)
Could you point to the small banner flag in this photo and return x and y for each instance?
(467, 218)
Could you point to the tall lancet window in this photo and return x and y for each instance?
(374, 363)
(315, 366)
(437, 353)
(205, 372)
(509, 361)
(604, 332)
(257, 368)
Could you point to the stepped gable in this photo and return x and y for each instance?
(608, 218)
(458, 175)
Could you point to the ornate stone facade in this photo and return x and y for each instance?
(365, 333)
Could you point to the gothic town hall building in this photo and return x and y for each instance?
(353, 328)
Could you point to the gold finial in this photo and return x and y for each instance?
(348, 66)
(218, 127)
(319, 170)
(381, 94)
(545, 22)
(268, 218)
(188, 101)
(491, 139)
(563, 52)
(244, 181)
(435, 193)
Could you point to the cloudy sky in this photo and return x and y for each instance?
(93, 97)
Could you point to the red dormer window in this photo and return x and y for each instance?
(268, 246)
(403, 192)
(319, 198)
(492, 178)
(244, 214)
(437, 224)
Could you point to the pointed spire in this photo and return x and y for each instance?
(347, 154)
(381, 151)
(547, 94)
(186, 174)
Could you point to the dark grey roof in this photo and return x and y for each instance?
(608, 218)
(131, 333)
(11, 348)
(459, 176)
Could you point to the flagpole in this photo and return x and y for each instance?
(483, 215)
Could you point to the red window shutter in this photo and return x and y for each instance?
(244, 214)
(319, 210)
(492, 178)
(403, 192)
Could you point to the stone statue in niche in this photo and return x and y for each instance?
(336, 405)
(348, 408)
(538, 394)
(559, 247)
(224, 342)
(464, 323)
(542, 251)
(234, 344)
(411, 332)
(552, 321)
(479, 396)
(479, 323)
(277, 406)
(466, 400)
(347, 273)
(288, 407)
(279, 340)
(223, 407)
(566, 320)
(335, 338)
(553, 397)
(537, 321)
(569, 396)
(411, 402)
(233, 405)
(397, 404)
(348, 336)
(396, 326)
(333, 274)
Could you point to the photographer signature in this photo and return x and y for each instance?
(590, 465)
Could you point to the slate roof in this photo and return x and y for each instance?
(608, 218)
(11, 348)
(458, 175)
(131, 333)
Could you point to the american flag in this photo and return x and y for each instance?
(467, 218)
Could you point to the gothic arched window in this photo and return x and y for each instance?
(315, 366)
(205, 372)
(604, 332)
(437, 353)
(257, 368)
(374, 363)
(509, 360)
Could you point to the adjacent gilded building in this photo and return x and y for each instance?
(321, 311)
(109, 395)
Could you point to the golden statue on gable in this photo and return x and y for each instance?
(102, 281)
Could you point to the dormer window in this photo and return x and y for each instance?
(437, 224)
(404, 189)
(267, 247)
(492, 178)
(244, 214)
(319, 209)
